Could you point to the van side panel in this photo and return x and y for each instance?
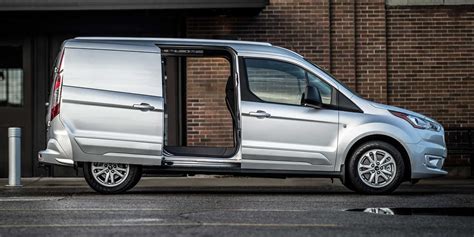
(100, 89)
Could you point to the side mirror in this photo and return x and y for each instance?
(312, 97)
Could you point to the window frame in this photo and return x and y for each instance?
(245, 88)
(256, 96)
(334, 92)
(248, 95)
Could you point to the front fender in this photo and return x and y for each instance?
(349, 136)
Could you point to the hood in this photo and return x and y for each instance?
(397, 109)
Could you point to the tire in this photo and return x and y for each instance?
(348, 185)
(104, 184)
(370, 176)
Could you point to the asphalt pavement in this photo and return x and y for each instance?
(227, 206)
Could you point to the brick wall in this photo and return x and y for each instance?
(431, 62)
(343, 41)
(371, 76)
(300, 25)
(209, 123)
(358, 46)
(416, 57)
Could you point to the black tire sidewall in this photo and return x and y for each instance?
(132, 179)
(355, 180)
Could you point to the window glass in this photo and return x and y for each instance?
(275, 81)
(123, 71)
(324, 88)
(331, 76)
(11, 76)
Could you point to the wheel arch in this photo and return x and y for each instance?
(390, 140)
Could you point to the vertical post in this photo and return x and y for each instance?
(472, 163)
(471, 151)
(14, 157)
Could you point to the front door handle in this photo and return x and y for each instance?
(143, 107)
(260, 114)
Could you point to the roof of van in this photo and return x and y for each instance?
(149, 44)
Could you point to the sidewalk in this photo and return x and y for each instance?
(205, 181)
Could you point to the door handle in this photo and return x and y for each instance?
(260, 114)
(143, 106)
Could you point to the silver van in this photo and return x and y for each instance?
(109, 113)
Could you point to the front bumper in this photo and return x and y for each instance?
(427, 160)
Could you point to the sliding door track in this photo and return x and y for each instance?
(176, 161)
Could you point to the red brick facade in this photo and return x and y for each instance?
(209, 123)
(417, 57)
(431, 62)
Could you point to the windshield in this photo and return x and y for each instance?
(329, 74)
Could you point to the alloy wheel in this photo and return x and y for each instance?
(110, 174)
(377, 168)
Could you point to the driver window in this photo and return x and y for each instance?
(326, 90)
(284, 83)
(276, 81)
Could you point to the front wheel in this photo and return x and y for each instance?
(111, 178)
(375, 167)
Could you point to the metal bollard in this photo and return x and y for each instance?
(14, 157)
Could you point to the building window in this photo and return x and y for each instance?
(11, 77)
(427, 2)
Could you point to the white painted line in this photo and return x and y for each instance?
(153, 209)
(29, 199)
(144, 220)
(215, 224)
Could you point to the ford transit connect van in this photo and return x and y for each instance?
(111, 107)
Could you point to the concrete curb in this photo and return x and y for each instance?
(214, 181)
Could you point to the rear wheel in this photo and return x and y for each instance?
(111, 178)
(375, 167)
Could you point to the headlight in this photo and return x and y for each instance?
(417, 122)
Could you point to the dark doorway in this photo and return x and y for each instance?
(29, 43)
(15, 100)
